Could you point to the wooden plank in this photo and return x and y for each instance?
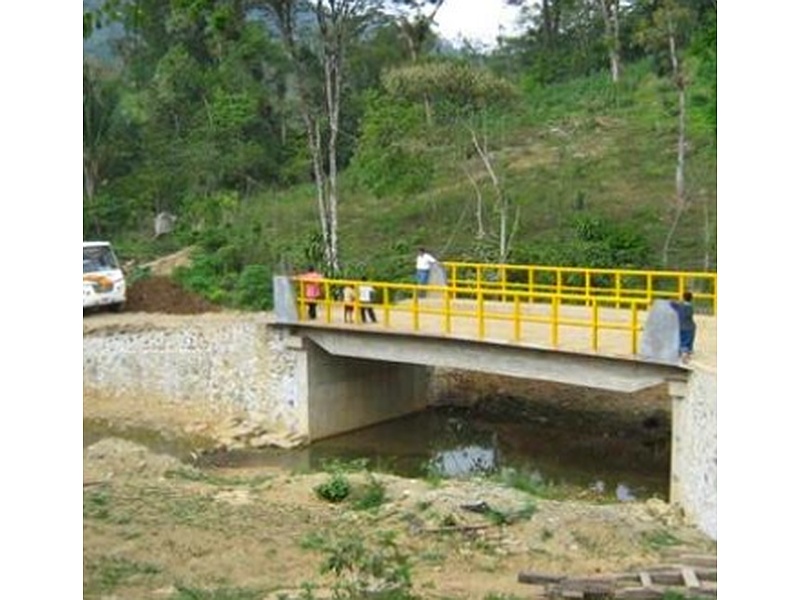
(641, 593)
(689, 578)
(658, 593)
(538, 578)
(708, 561)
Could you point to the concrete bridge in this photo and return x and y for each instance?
(324, 377)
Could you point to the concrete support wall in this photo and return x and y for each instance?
(201, 373)
(694, 449)
(350, 393)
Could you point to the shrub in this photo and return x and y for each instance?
(336, 489)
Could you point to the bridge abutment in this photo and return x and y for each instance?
(343, 394)
(693, 472)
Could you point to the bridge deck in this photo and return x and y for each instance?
(430, 320)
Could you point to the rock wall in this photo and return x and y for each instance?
(694, 450)
(199, 371)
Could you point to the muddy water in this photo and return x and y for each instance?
(623, 458)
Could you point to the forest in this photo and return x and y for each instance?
(274, 134)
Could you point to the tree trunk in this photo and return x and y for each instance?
(680, 178)
(333, 86)
(609, 9)
(501, 203)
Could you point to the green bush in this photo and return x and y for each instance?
(336, 489)
(373, 496)
(254, 288)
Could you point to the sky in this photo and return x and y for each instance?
(473, 20)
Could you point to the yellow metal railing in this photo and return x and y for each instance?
(555, 316)
(618, 285)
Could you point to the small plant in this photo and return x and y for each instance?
(498, 517)
(224, 593)
(109, 572)
(661, 539)
(336, 489)
(373, 496)
(377, 570)
(313, 541)
(96, 505)
(434, 474)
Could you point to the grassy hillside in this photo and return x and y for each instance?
(576, 153)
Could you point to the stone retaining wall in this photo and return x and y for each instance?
(207, 369)
(694, 450)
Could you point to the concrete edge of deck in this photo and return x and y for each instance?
(623, 374)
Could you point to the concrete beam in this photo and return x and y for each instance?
(617, 374)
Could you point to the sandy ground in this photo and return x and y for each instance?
(154, 528)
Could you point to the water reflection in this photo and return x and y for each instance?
(455, 443)
(464, 461)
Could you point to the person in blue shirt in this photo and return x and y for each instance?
(686, 325)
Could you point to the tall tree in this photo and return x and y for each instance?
(318, 54)
(668, 31)
(609, 10)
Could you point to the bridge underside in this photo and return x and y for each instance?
(617, 374)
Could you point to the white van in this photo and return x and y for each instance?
(103, 280)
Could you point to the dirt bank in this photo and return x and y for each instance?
(154, 528)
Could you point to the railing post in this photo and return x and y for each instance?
(415, 308)
(328, 301)
(554, 324)
(385, 303)
(587, 292)
(481, 323)
(595, 324)
(517, 324)
(531, 284)
(447, 317)
(635, 331)
(558, 281)
(617, 290)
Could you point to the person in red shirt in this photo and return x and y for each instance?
(312, 290)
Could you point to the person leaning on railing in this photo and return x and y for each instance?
(686, 325)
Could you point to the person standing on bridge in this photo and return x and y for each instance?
(349, 296)
(424, 263)
(686, 325)
(312, 290)
(366, 296)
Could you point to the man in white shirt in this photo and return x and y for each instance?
(424, 263)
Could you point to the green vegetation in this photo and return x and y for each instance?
(661, 539)
(110, 572)
(362, 566)
(192, 474)
(530, 153)
(364, 496)
(335, 489)
(371, 496)
(223, 593)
